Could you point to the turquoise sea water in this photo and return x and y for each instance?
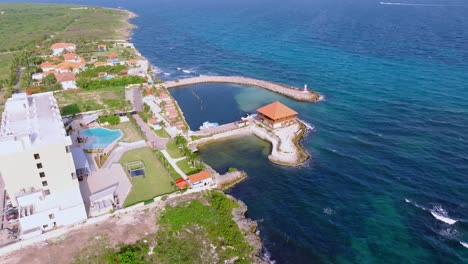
(99, 138)
(390, 150)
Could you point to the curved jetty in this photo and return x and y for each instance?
(295, 93)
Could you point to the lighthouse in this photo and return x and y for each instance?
(305, 88)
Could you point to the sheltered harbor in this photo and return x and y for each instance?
(292, 92)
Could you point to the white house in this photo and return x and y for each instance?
(36, 164)
(59, 48)
(200, 179)
(67, 80)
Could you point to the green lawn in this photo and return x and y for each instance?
(186, 167)
(20, 27)
(162, 133)
(174, 150)
(156, 182)
(5, 59)
(129, 130)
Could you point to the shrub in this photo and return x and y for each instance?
(232, 169)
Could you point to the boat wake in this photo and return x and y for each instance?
(437, 212)
(464, 244)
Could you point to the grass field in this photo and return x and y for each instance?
(156, 182)
(162, 133)
(26, 24)
(129, 130)
(174, 150)
(186, 167)
(5, 59)
(98, 99)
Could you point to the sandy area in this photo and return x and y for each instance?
(125, 228)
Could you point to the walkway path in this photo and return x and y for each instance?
(153, 139)
(174, 165)
(292, 92)
(120, 150)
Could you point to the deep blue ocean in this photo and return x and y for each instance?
(390, 150)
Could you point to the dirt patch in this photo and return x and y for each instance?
(125, 228)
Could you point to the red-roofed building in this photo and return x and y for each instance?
(102, 47)
(47, 66)
(100, 63)
(277, 115)
(60, 47)
(67, 80)
(182, 184)
(201, 178)
(113, 58)
(71, 57)
(154, 123)
(74, 67)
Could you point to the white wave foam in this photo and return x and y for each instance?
(407, 200)
(328, 211)
(464, 244)
(267, 257)
(440, 214)
(166, 73)
(179, 69)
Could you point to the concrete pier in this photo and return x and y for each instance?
(292, 92)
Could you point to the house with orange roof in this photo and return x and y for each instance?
(60, 47)
(201, 178)
(100, 63)
(154, 123)
(277, 115)
(47, 66)
(67, 80)
(113, 58)
(74, 67)
(102, 47)
(71, 57)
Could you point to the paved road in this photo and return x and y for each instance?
(153, 139)
(137, 99)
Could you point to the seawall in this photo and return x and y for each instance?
(295, 93)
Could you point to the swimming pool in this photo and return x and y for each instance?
(100, 138)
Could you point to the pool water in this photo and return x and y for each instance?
(100, 138)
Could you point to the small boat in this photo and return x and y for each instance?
(207, 125)
(248, 117)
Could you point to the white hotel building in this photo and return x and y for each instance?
(36, 164)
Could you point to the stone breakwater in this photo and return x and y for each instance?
(295, 93)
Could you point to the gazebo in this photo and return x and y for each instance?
(277, 115)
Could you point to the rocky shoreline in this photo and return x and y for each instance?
(249, 228)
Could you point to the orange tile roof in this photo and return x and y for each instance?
(62, 45)
(70, 56)
(100, 63)
(71, 65)
(182, 184)
(113, 56)
(65, 77)
(276, 111)
(198, 177)
(153, 121)
(47, 64)
(132, 62)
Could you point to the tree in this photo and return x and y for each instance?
(49, 80)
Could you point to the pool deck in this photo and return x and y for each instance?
(293, 92)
